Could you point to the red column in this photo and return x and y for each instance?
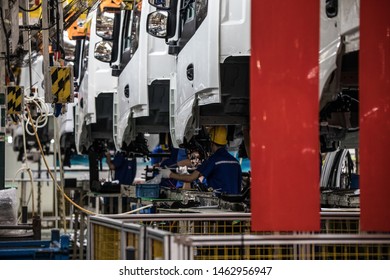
(374, 95)
(284, 116)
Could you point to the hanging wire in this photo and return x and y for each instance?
(6, 34)
(41, 120)
(60, 188)
(32, 9)
(27, 168)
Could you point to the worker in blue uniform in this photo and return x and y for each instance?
(221, 170)
(159, 149)
(125, 170)
(176, 155)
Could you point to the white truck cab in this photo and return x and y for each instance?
(144, 81)
(210, 41)
(339, 71)
(97, 87)
(143, 69)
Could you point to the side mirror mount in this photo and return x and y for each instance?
(103, 51)
(161, 4)
(116, 71)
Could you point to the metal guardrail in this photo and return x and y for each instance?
(110, 239)
(282, 247)
(228, 236)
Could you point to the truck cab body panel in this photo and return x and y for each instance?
(94, 110)
(203, 63)
(143, 89)
(339, 68)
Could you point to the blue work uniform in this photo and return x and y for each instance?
(222, 171)
(176, 155)
(172, 160)
(125, 169)
(157, 150)
(181, 155)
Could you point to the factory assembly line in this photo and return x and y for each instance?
(180, 129)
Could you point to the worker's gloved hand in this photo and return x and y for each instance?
(165, 172)
(182, 170)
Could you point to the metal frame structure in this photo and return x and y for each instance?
(55, 249)
(228, 236)
(293, 247)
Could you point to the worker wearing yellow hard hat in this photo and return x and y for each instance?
(221, 169)
(218, 135)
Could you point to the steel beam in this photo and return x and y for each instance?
(374, 83)
(284, 116)
(4, 3)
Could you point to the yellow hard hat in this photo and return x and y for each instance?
(164, 147)
(218, 135)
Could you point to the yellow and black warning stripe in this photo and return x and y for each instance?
(62, 84)
(14, 99)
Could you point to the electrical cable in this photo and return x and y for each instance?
(31, 181)
(51, 174)
(61, 188)
(55, 202)
(42, 107)
(47, 28)
(41, 121)
(28, 169)
(58, 151)
(10, 73)
(57, 19)
(32, 9)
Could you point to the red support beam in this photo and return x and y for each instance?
(284, 131)
(374, 95)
